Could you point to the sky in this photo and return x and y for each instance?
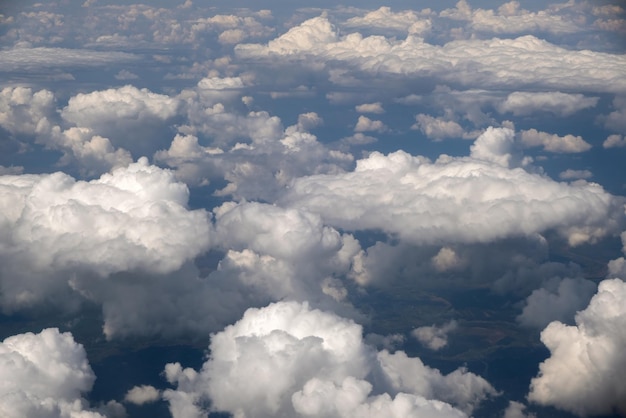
(279, 209)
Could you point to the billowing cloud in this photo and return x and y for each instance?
(288, 359)
(438, 128)
(140, 395)
(365, 124)
(132, 218)
(557, 300)
(370, 108)
(522, 103)
(434, 337)
(582, 373)
(49, 374)
(494, 63)
(23, 111)
(465, 199)
(384, 18)
(614, 141)
(553, 142)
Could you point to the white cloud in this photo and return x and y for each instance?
(129, 117)
(383, 18)
(140, 395)
(23, 111)
(434, 337)
(558, 300)
(49, 373)
(580, 376)
(553, 142)
(516, 410)
(522, 103)
(615, 119)
(493, 63)
(288, 359)
(614, 141)
(570, 174)
(376, 107)
(438, 128)
(133, 218)
(509, 18)
(464, 199)
(365, 124)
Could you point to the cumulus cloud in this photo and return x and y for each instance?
(384, 18)
(434, 337)
(558, 300)
(365, 124)
(553, 142)
(438, 128)
(370, 108)
(516, 410)
(49, 373)
(23, 111)
(522, 103)
(614, 141)
(464, 199)
(140, 395)
(132, 218)
(288, 359)
(131, 118)
(493, 63)
(580, 374)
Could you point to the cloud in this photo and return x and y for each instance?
(37, 59)
(570, 174)
(509, 18)
(132, 218)
(370, 108)
(383, 18)
(49, 373)
(493, 63)
(558, 300)
(615, 119)
(365, 124)
(131, 118)
(288, 359)
(522, 103)
(553, 142)
(23, 111)
(580, 374)
(464, 199)
(438, 128)
(614, 141)
(434, 337)
(516, 410)
(140, 395)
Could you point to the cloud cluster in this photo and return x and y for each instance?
(582, 373)
(493, 63)
(290, 360)
(465, 199)
(434, 337)
(45, 376)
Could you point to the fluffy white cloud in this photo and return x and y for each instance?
(614, 141)
(370, 108)
(516, 410)
(434, 337)
(553, 142)
(510, 18)
(383, 18)
(464, 199)
(140, 395)
(522, 103)
(557, 300)
(615, 119)
(365, 124)
(131, 218)
(131, 118)
(582, 374)
(23, 111)
(290, 360)
(438, 128)
(45, 376)
(494, 63)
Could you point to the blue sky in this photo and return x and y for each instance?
(266, 209)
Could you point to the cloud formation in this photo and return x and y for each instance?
(288, 359)
(466, 199)
(580, 374)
